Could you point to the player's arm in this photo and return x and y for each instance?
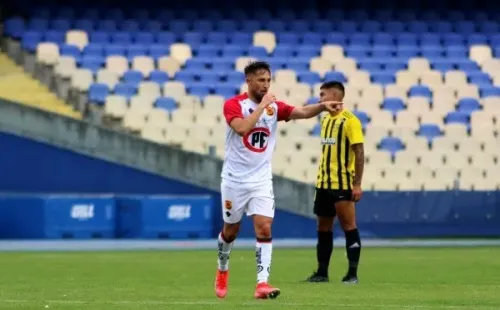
(355, 135)
(312, 110)
(234, 115)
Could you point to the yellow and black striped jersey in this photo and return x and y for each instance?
(338, 133)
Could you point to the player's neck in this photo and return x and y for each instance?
(334, 114)
(253, 98)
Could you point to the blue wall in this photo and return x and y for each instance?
(27, 166)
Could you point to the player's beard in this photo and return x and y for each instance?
(258, 96)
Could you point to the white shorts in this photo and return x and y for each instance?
(238, 198)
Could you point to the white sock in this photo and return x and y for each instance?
(224, 253)
(263, 254)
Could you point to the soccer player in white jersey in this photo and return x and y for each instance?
(252, 120)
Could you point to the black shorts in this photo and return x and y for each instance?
(325, 200)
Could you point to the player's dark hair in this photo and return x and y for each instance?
(333, 84)
(255, 66)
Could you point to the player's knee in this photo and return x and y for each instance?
(325, 223)
(230, 231)
(263, 229)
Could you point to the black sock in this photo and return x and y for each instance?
(353, 248)
(324, 250)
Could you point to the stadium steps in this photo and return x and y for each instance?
(18, 86)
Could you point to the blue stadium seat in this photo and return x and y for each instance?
(391, 145)
(144, 38)
(208, 77)
(134, 50)
(308, 51)
(30, 40)
(185, 76)
(153, 26)
(241, 38)
(94, 49)
(179, 26)
(363, 117)
(199, 89)
(311, 38)
(159, 50)
(133, 77)
(99, 37)
(382, 77)
(316, 130)
(394, 105)
(217, 38)
(489, 91)
(468, 105)
(227, 26)
(54, 36)
(165, 38)
(336, 38)
(479, 78)
(234, 51)
(394, 27)
(114, 50)
(221, 64)
(457, 117)
(284, 50)
(420, 90)
(257, 52)
(126, 90)
(121, 38)
(93, 63)
(288, 38)
(107, 25)
(166, 103)
(98, 93)
(335, 76)
(38, 24)
(429, 131)
(14, 27)
(227, 90)
(60, 24)
(159, 76)
(209, 50)
(130, 26)
(193, 38)
(233, 76)
(309, 77)
(69, 50)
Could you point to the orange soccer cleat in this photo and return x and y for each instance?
(264, 291)
(221, 283)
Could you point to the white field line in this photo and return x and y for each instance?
(216, 302)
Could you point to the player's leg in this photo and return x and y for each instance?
(346, 213)
(233, 208)
(261, 208)
(325, 212)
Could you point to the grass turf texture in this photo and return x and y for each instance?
(444, 278)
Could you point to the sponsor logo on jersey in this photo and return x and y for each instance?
(328, 141)
(257, 139)
(228, 204)
(270, 111)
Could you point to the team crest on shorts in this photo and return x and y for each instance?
(270, 111)
(228, 204)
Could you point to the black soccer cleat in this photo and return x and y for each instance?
(350, 279)
(316, 278)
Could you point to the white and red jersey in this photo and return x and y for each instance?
(248, 158)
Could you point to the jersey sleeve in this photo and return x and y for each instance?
(232, 110)
(284, 111)
(354, 131)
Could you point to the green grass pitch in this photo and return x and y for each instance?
(437, 278)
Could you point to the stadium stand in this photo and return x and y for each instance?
(426, 88)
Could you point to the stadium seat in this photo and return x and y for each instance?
(413, 78)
